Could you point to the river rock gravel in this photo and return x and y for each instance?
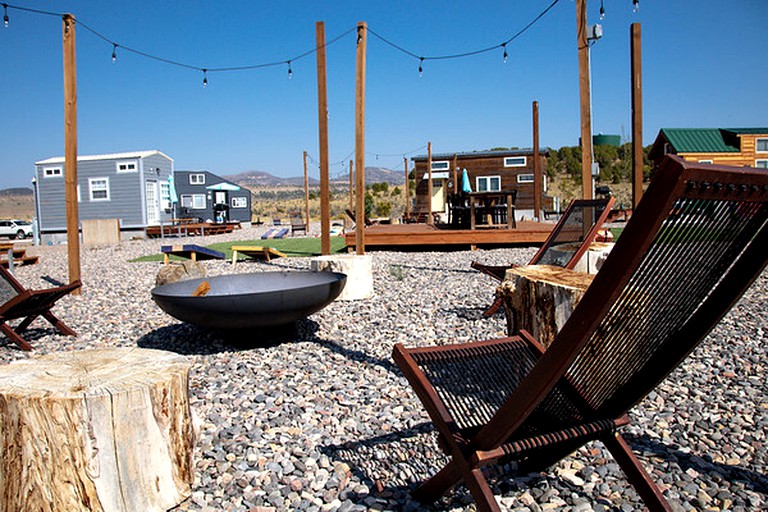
(321, 419)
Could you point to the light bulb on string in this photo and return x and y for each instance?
(421, 67)
(290, 71)
(602, 11)
(6, 19)
(114, 52)
(635, 6)
(205, 77)
(505, 52)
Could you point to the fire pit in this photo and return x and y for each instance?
(243, 301)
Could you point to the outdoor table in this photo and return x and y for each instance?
(492, 204)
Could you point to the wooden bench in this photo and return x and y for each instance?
(255, 251)
(190, 251)
(20, 256)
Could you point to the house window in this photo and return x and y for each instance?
(193, 201)
(78, 194)
(514, 161)
(761, 164)
(50, 172)
(705, 161)
(525, 178)
(165, 196)
(98, 189)
(442, 165)
(239, 202)
(488, 183)
(127, 166)
(761, 145)
(197, 179)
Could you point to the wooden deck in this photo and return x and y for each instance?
(404, 235)
(191, 229)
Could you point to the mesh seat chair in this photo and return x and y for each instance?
(571, 238)
(19, 302)
(298, 224)
(694, 245)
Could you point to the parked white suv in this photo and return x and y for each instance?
(18, 229)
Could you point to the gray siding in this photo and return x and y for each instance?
(184, 187)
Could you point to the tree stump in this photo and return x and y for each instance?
(540, 298)
(95, 430)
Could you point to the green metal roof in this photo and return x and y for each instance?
(698, 140)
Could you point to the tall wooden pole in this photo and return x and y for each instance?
(585, 99)
(70, 147)
(351, 185)
(538, 182)
(362, 40)
(455, 173)
(637, 114)
(322, 115)
(407, 195)
(429, 183)
(306, 192)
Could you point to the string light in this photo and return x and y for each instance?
(114, 52)
(6, 20)
(205, 77)
(635, 6)
(505, 52)
(290, 71)
(602, 11)
(421, 67)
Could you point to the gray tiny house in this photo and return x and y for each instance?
(133, 187)
(208, 197)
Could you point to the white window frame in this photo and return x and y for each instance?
(706, 161)
(52, 172)
(761, 163)
(165, 196)
(78, 194)
(193, 201)
(197, 178)
(128, 166)
(757, 143)
(488, 180)
(527, 177)
(441, 165)
(239, 202)
(92, 189)
(509, 159)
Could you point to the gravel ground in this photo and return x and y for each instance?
(321, 419)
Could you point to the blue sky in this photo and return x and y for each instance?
(703, 66)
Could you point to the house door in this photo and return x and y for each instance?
(220, 206)
(152, 203)
(438, 195)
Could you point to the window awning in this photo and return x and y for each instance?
(224, 186)
(442, 175)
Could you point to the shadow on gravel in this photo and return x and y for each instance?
(469, 313)
(188, 339)
(701, 463)
(355, 355)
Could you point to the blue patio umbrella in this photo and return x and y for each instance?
(172, 185)
(465, 186)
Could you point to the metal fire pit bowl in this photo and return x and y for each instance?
(244, 301)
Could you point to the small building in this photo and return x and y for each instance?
(208, 197)
(133, 187)
(727, 146)
(488, 171)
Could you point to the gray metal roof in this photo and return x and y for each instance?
(481, 154)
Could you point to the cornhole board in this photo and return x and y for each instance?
(255, 251)
(275, 233)
(190, 251)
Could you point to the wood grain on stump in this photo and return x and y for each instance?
(107, 429)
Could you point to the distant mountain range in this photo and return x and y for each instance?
(17, 191)
(261, 179)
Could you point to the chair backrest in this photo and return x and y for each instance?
(571, 236)
(690, 250)
(9, 286)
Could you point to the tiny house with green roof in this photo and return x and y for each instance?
(728, 146)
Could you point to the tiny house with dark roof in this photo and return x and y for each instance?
(727, 146)
(488, 171)
(205, 196)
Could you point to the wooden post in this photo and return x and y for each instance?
(585, 99)
(429, 183)
(538, 182)
(351, 185)
(70, 147)
(306, 193)
(362, 39)
(455, 173)
(637, 114)
(322, 114)
(407, 195)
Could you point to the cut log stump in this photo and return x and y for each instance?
(540, 298)
(96, 430)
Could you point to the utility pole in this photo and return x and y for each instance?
(70, 148)
(584, 99)
(637, 114)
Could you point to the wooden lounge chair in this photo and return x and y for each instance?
(19, 302)
(298, 225)
(693, 246)
(570, 239)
